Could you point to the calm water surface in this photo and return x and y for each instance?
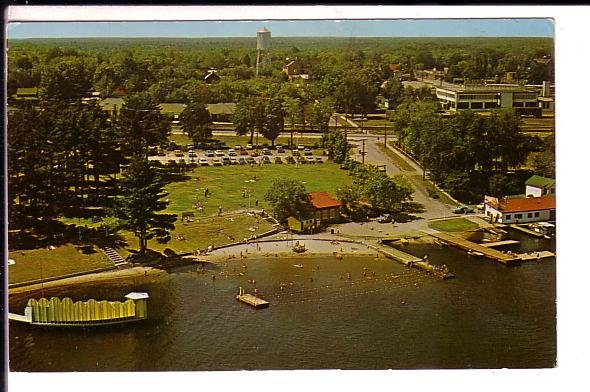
(385, 317)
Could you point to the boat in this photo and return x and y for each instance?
(298, 265)
(57, 312)
(474, 253)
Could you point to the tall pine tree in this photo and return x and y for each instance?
(142, 200)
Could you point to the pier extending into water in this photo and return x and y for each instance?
(413, 261)
(485, 251)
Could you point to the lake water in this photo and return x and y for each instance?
(384, 317)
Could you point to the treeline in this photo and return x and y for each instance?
(69, 159)
(173, 69)
(470, 154)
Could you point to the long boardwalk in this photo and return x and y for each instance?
(504, 258)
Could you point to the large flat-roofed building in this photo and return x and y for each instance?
(487, 97)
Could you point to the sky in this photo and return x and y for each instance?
(341, 28)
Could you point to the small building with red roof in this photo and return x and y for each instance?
(325, 207)
(520, 209)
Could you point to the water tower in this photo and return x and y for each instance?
(262, 48)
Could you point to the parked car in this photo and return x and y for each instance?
(242, 161)
(243, 151)
(231, 152)
(238, 147)
(233, 161)
(295, 153)
(307, 151)
(203, 162)
(226, 160)
(265, 159)
(178, 153)
(250, 160)
(301, 160)
(209, 154)
(301, 147)
(385, 218)
(319, 160)
(462, 210)
(216, 162)
(191, 154)
(249, 146)
(219, 153)
(289, 159)
(278, 160)
(280, 149)
(266, 151)
(254, 154)
(310, 160)
(161, 153)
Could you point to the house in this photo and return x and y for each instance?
(172, 110)
(296, 69)
(211, 76)
(520, 209)
(112, 105)
(119, 92)
(539, 186)
(301, 226)
(26, 94)
(325, 208)
(221, 112)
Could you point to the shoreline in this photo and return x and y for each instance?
(264, 249)
(138, 275)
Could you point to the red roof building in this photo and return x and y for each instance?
(325, 207)
(521, 209)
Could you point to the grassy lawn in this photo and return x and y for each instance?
(203, 232)
(44, 263)
(453, 225)
(227, 185)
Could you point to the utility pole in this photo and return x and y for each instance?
(363, 153)
(385, 137)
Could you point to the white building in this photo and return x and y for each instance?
(520, 209)
(487, 97)
(539, 186)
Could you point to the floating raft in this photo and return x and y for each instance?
(252, 300)
(57, 312)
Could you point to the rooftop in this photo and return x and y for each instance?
(540, 182)
(522, 204)
(486, 88)
(323, 200)
(221, 108)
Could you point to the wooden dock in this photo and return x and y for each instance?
(500, 243)
(504, 258)
(413, 261)
(252, 300)
(536, 255)
(527, 231)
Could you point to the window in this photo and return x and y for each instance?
(463, 105)
(476, 105)
(517, 216)
(536, 214)
(508, 217)
(530, 215)
(490, 105)
(517, 104)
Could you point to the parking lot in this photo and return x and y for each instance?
(239, 155)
